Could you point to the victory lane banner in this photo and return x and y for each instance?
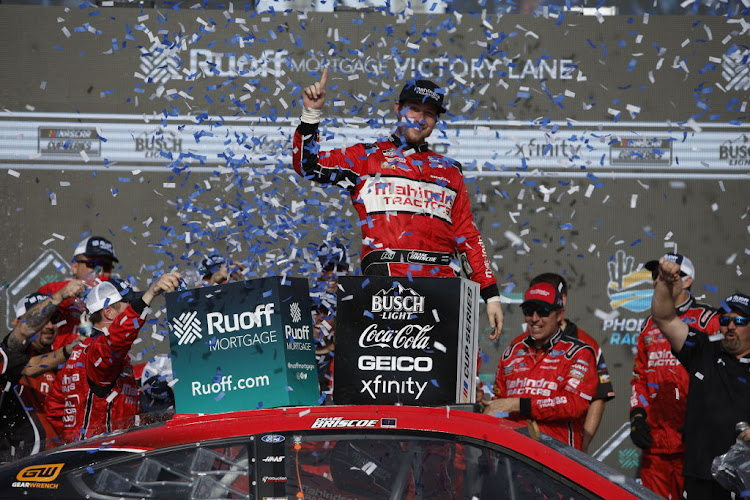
(242, 346)
(406, 341)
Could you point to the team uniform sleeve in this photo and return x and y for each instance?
(575, 389)
(470, 246)
(639, 381)
(500, 388)
(108, 352)
(337, 167)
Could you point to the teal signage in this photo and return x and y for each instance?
(243, 346)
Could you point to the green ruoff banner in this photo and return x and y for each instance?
(243, 346)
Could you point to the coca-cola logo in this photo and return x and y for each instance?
(406, 337)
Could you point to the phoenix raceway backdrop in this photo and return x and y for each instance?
(590, 146)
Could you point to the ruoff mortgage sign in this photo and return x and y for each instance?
(243, 346)
(406, 341)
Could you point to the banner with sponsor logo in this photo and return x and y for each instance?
(407, 341)
(242, 346)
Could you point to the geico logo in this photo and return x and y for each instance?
(223, 323)
(389, 303)
(395, 363)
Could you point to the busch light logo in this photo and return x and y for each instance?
(295, 312)
(735, 69)
(397, 303)
(187, 327)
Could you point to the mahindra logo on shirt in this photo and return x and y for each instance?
(397, 194)
(537, 291)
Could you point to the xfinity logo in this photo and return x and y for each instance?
(187, 327)
(337, 422)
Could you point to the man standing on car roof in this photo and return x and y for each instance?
(544, 375)
(412, 202)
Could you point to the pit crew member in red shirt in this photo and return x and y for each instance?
(545, 376)
(93, 259)
(412, 202)
(95, 391)
(659, 389)
(604, 391)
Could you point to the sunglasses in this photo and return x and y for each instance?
(91, 264)
(738, 320)
(540, 311)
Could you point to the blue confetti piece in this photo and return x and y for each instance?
(434, 382)
(368, 314)
(219, 396)
(642, 399)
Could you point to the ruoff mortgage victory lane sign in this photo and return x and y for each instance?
(243, 346)
(407, 341)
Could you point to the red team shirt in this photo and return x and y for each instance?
(557, 381)
(96, 391)
(406, 199)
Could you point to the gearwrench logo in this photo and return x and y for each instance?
(187, 327)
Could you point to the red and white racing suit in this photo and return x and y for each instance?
(555, 383)
(659, 387)
(95, 390)
(412, 204)
(68, 331)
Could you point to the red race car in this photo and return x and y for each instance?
(327, 452)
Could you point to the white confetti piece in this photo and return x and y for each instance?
(112, 396)
(85, 156)
(59, 236)
(169, 185)
(13, 173)
(699, 375)
(440, 347)
(53, 199)
(304, 412)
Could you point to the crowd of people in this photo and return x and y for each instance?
(66, 373)
(553, 374)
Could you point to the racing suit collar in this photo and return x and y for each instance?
(683, 308)
(399, 142)
(529, 341)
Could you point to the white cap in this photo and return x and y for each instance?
(102, 295)
(687, 267)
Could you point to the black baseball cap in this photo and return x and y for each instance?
(423, 91)
(96, 246)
